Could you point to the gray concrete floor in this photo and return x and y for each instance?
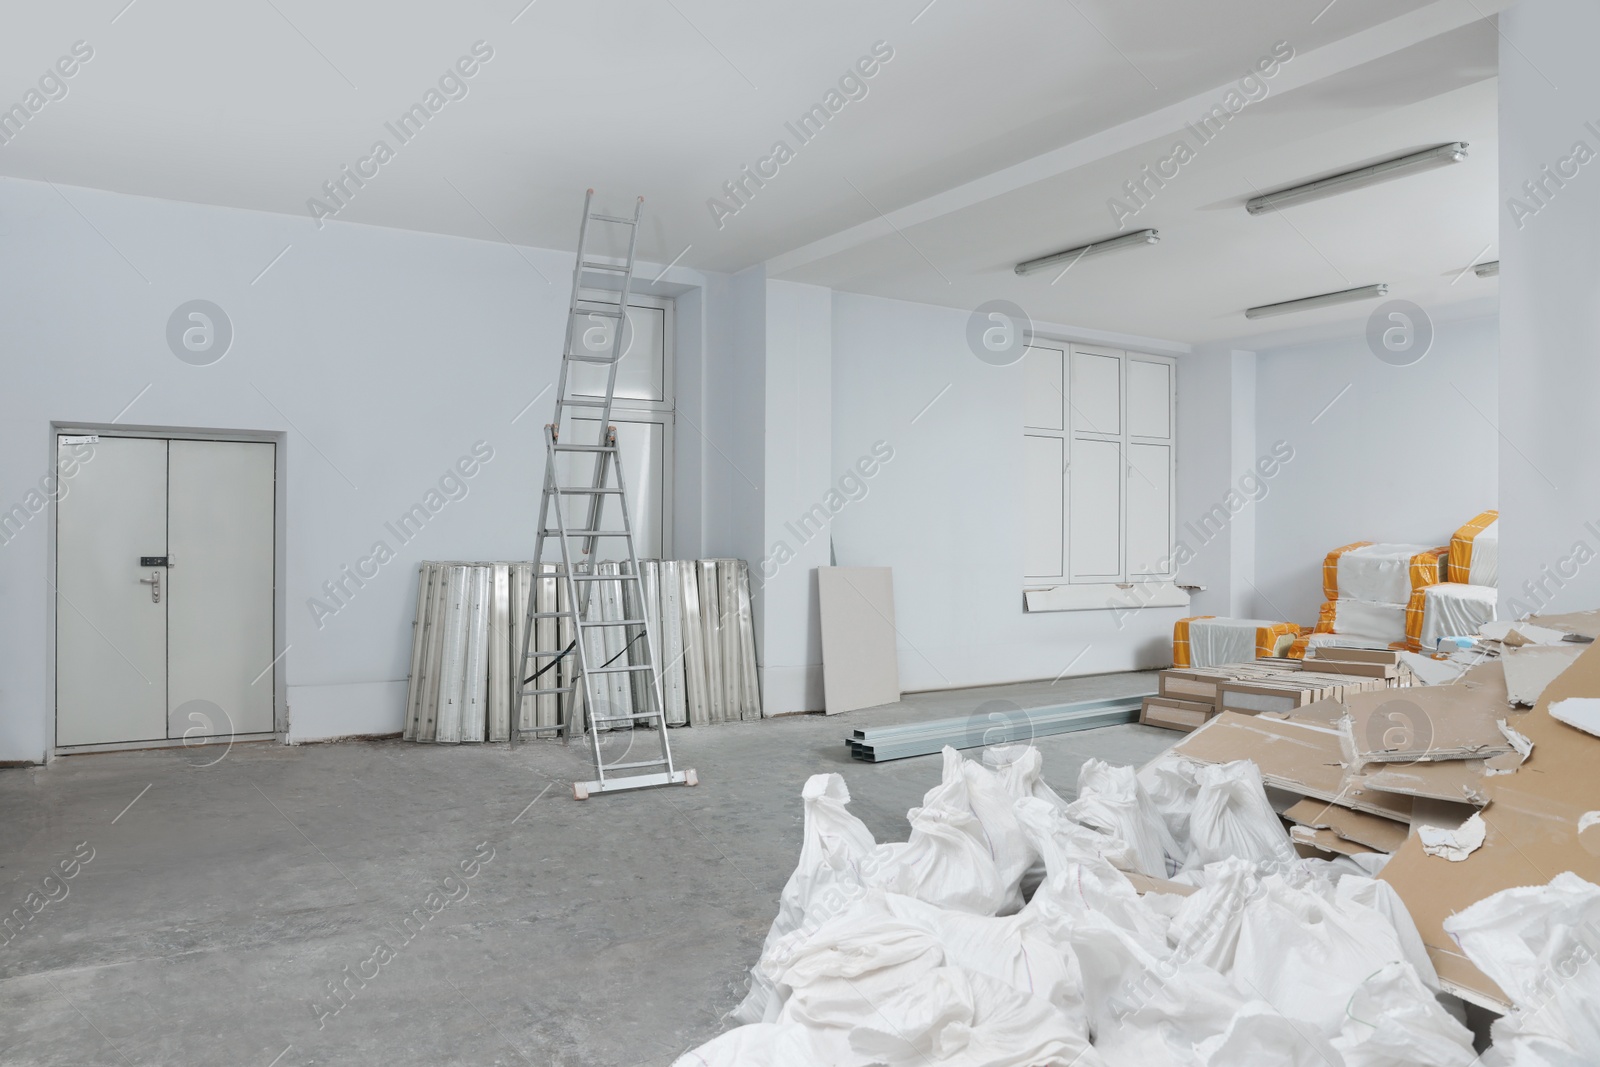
(225, 902)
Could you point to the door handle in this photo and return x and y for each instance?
(154, 582)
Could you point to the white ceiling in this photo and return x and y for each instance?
(257, 103)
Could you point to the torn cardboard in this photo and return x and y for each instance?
(1532, 831)
(1532, 667)
(1374, 831)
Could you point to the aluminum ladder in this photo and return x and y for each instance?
(578, 576)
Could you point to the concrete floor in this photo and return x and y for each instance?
(220, 907)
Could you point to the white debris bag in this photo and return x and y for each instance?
(1392, 1020)
(832, 849)
(1539, 945)
(1233, 819)
(1111, 800)
(1172, 783)
(1307, 953)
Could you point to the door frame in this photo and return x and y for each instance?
(277, 438)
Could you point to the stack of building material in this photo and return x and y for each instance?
(1367, 586)
(1207, 641)
(1460, 606)
(1187, 698)
(469, 633)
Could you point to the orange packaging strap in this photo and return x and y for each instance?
(1180, 640)
(1425, 567)
(1298, 649)
(1325, 617)
(1416, 610)
(1267, 638)
(1460, 565)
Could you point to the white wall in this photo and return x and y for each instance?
(944, 512)
(798, 476)
(1407, 454)
(1216, 462)
(1550, 307)
(383, 356)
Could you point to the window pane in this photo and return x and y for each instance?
(1042, 400)
(1096, 392)
(1042, 539)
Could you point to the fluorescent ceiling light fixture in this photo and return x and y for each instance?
(1490, 269)
(1306, 303)
(1398, 167)
(1071, 255)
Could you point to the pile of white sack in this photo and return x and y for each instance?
(1004, 933)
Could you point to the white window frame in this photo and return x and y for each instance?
(662, 412)
(1074, 435)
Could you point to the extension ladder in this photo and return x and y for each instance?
(579, 578)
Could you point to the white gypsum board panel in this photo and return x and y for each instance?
(860, 665)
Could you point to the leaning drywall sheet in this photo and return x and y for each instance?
(860, 667)
(1535, 831)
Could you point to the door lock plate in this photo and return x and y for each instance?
(152, 561)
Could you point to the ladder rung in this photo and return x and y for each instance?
(605, 577)
(608, 768)
(614, 268)
(625, 718)
(604, 309)
(586, 448)
(552, 614)
(612, 218)
(579, 402)
(614, 622)
(631, 668)
(577, 491)
(591, 533)
(582, 357)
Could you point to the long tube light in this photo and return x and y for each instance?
(1398, 167)
(1322, 300)
(1110, 244)
(1490, 269)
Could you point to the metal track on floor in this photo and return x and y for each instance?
(981, 729)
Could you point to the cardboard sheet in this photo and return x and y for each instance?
(1582, 623)
(1328, 841)
(1530, 668)
(1374, 831)
(1296, 757)
(1459, 781)
(1440, 722)
(860, 664)
(1533, 831)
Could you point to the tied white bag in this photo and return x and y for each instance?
(833, 847)
(1539, 944)
(1233, 818)
(949, 859)
(1170, 782)
(1307, 954)
(953, 1018)
(1111, 800)
(1393, 1020)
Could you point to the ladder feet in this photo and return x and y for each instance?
(580, 791)
(690, 778)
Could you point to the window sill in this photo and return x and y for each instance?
(1106, 596)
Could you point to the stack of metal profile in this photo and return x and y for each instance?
(1009, 725)
(468, 637)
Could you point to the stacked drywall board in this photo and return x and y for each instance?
(470, 629)
(1463, 604)
(1368, 586)
(1208, 641)
(1188, 698)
